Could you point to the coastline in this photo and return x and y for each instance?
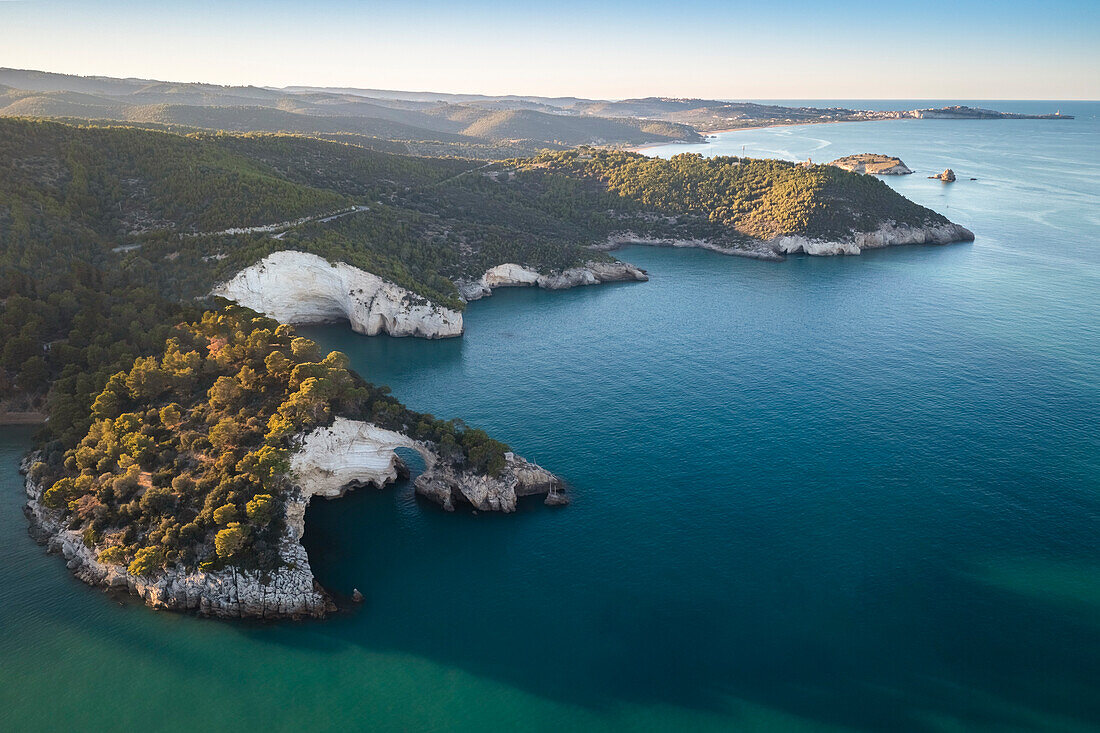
(706, 133)
(777, 248)
(331, 460)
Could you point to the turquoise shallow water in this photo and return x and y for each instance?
(832, 493)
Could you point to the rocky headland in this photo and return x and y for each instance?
(873, 163)
(329, 461)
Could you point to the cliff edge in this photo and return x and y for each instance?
(302, 288)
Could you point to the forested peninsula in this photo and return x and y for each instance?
(151, 280)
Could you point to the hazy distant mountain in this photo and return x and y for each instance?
(553, 102)
(431, 123)
(46, 81)
(470, 124)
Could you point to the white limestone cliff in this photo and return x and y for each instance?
(510, 274)
(888, 235)
(299, 288)
(347, 454)
(450, 488)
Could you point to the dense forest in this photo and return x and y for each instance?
(759, 198)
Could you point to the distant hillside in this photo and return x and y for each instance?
(116, 181)
(268, 119)
(559, 102)
(531, 125)
(23, 103)
(467, 125)
(45, 81)
(647, 107)
(425, 123)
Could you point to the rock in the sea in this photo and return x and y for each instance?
(299, 288)
(948, 176)
(356, 595)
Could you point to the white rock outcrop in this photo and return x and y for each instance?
(510, 274)
(450, 488)
(818, 247)
(342, 456)
(299, 288)
(888, 235)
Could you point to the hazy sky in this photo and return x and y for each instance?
(965, 49)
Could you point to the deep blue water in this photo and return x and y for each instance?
(854, 493)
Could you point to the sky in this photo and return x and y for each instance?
(764, 49)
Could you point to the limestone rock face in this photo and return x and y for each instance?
(349, 453)
(774, 249)
(512, 275)
(948, 176)
(509, 274)
(450, 488)
(298, 288)
(887, 235)
(890, 235)
(794, 244)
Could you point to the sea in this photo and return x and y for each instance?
(827, 494)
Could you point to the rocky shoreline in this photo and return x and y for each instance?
(756, 250)
(774, 250)
(330, 461)
(301, 288)
(510, 275)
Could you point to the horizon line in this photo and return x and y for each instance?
(285, 87)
